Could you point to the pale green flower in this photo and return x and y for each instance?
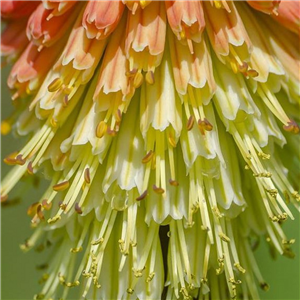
(168, 133)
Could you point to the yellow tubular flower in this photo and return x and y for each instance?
(170, 132)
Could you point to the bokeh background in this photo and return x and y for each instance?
(19, 276)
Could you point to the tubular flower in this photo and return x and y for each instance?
(167, 130)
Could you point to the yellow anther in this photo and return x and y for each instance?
(264, 155)
(234, 66)
(133, 244)
(138, 79)
(54, 219)
(150, 77)
(283, 217)
(224, 237)
(150, 277)
(101, 129)
(240, 268)
(185, 293)
(288, 242)
(53, 122)
(204, 280)
(173, 182)
(31, 211)
(44, 278)
(87, 176)
(216, 212)
(264, 286)
(243, 67)
(5, 127)
(68, 90)
(274, 218)
(78, 208)
(39, 296)
(158, 190)
(111, 132)
(233, 281)
(182, 34)
(296, 195)
(10, 159)
(204, 125)
(272, 192)
(55, 85)
(292, 126)
(221, 265)
(137, 273)
(148, 157)
(142, 196)
(286, 197)
(130, 291)
(190, 123)
(98, 241)
(65, 101)
(30, 168)
(218, 4)
(39, 212)
(172, 141)
(189, 224)
(144, 3)
(264, 174)
(76, 250)
(252, 73)
(61, 186)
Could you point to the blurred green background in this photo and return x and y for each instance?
(19, 277)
